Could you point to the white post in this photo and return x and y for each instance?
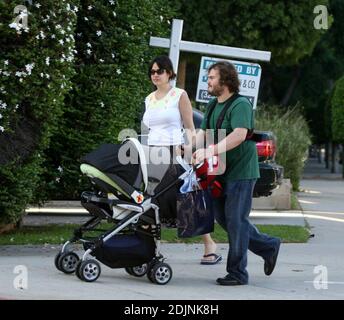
(176, 37)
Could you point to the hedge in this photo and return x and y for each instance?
(36, 65)
(293, 138)
(337, 108)
(109, 86)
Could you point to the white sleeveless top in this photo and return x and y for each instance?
(163, 119)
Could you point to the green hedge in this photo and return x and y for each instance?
(337, 107)
(293, 138)
(36, 64)
(109, 85)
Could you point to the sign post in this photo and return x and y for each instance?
(249, 82)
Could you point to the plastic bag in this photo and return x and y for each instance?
(194, 214)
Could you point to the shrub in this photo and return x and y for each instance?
(337, 108)
(109, 86)
(36, 64)
(293, 138)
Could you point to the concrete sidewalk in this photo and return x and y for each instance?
(313, 270)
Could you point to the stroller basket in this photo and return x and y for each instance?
(125, 250)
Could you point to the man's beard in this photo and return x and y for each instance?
(216, 90)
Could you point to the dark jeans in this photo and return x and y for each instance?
(232, 212)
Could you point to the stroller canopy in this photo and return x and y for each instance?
(125, 161)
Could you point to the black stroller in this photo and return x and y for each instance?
(125, 177)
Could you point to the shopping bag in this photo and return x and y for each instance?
(194, 214)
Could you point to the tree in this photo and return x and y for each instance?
(283, 27)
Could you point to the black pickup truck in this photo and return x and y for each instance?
(271, 174)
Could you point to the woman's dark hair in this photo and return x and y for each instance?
(228, 75)
(163, 62)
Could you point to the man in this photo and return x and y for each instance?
(232, 209)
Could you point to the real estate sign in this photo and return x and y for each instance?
(249, 76)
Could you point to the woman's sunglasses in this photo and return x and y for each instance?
(159, 71)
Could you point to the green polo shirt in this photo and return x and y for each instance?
(242, 161)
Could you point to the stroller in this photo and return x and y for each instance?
(126, 197)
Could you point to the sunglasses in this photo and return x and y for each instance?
(159, 71)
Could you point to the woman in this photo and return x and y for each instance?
(168, 111)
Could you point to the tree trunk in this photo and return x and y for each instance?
(342, 157)
(333, 158)
(319, 153)
(181, 74)
(292, 86)
(327, 150)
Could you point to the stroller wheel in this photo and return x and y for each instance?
(161, 273)
(56, 261)
(67, 262)
(138, 271)
(88, 270)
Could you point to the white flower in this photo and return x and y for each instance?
(2, 129)
(0, 116)
(88, 45)
(89, 7)
(52, 36)
(21, 80)
(62, 31)
(85, 18)
(47, 76)
(47, 61)
(112, 2)
(101, 60)
(58, 26)
(114, 14)
(61, 41)
(6, 62)
(18, 74)
(118, 71)
(113, 55)
(41, 74)
(89, 51)
(99, 33)
(42, 34)
(57, 179)
(132, 27)
(102, 105)
(14, 26)
(161, 18)
(37, 5)
(60, 169)
(29, 67)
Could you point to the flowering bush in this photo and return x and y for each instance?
(36, 65)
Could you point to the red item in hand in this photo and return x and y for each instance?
(207, 173)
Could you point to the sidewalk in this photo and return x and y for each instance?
(313, 270)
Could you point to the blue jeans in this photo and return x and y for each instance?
(231, 212)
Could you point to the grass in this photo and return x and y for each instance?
(294, 202)
(58, 234)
